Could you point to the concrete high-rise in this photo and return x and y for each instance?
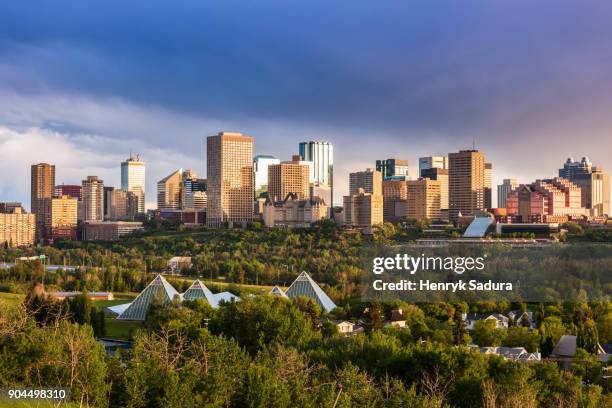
(93, 199)
(260, 167)
(433, 162)
(229, 165)
(70, 190)
(466, 183)
(193, 191)
(441, 175)
(363, 210)
(393, 169)
(321, 154)
(133, 179)
(423, 199)
(122, 205)
(61, 218)
(393, 191)
(504, 190)
(42, 187)
(369, 180)
(594, 184)
(17, 228)
(288, 177)
(169, 191)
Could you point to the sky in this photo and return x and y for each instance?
(83, 84)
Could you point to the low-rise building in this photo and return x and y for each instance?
(294, 212)
(90, 295)
(109, 230)
(17, 228)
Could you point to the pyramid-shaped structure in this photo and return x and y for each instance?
(276, 291)
(198, 290)
(140, 306)
(305, 286)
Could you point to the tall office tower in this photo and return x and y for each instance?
(393, 191)
(363, 210)
(260, 167)
(424, 198)
(288, 177)
(441, 175)
(432, 162)
(122, 205)
(504, 190)
(229, 167)
(193, 191)
(17, 228)
(169, 191)
(369, 180)
(42, 187)
(107, 204)
(594, 183)
(69, 190)
(93, 199)
(393, 169)
(466, 183)
(133, 179)
(321, 154)
(61, 217)
(488, 185)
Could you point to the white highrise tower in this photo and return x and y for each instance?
(133, 179)
(321, 154)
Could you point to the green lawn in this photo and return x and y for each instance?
(119, 299)
(120, 329)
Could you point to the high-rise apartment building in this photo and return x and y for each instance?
(393, 169)
(93, 199)
(369, 180)
(260, 167)
(42, 187)
(441, 175)
(594, 184)
(424, 198)
(393, 191)
(321, 154)
(363, 210)
(466, 183)
(193, 192)
(17, 228)
(504, 190)
(432, 162)
(169, 191)
(122, 205)
(288, 177)
(229, 167)
(488, 185)
(133, 179)
(61, 218)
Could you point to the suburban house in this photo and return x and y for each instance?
(501, 321)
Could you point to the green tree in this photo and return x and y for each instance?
(486, 333)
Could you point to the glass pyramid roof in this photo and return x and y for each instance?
(198, 290)
(276, 291)
(305, 286)
(137, 310)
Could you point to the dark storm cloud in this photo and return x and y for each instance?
(398, 77)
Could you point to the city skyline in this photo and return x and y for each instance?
(82, 98)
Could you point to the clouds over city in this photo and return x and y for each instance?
(83, 84)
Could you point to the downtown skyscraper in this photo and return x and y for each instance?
(466, 183)
(229, 167)
(321, 154)
(42, 187)
(133, 179)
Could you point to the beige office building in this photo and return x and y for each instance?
(229, 168)
(61, 214)
(363, 210)
(122, 204)
(288, 177)
(42, 187)
(424, 199)
(93, 199)
(466, 183)
(441, 175)
(488, 185)
(17, 228)
(393, 191)
(370, 181)
(169, 191)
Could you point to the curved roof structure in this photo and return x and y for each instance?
(137, 310)
(303, 285)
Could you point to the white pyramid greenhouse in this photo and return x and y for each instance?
(198, 290)
(305, 286)
(137, 310)
(276, 291)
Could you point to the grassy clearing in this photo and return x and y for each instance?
(120, 329)
(10, 299)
